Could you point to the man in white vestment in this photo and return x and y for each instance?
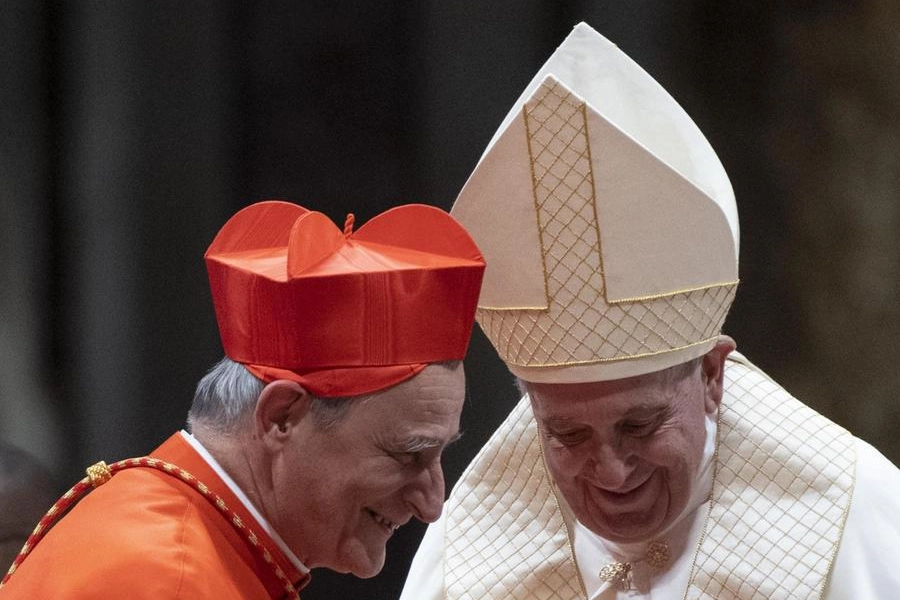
(647, 458)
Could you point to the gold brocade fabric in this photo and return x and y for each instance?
(784, 478)
(581, 325)
(506, 537)
(784, 481)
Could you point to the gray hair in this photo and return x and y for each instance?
(226, 398)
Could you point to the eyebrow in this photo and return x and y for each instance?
(557, 421)
(418, 443)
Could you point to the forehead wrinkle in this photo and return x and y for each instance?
(647, 406)
(642, 408)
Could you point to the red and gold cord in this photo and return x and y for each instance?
(100, 473)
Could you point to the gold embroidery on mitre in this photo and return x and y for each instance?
(581, 326)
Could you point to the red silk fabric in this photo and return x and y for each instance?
(343, 314)
(147, 535)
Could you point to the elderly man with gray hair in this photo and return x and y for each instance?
(318, 435)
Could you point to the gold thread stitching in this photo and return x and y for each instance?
(702, 288)
(537, 211)
(846, 513)
(707, 518)
(552, 484)
(590, 161)
(571, 329)
(610, 359)
(728, 284)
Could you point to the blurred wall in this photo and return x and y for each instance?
(132, 130)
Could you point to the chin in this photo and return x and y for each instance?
(368, 566)
(367, 571)
(640, 532)
(623, 529)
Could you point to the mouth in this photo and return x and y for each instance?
(383, 521)
(632, 495)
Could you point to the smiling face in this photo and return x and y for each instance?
(342, 491)
(624, 452)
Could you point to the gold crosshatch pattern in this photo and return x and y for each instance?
(777, 525)
(523, 561)
(581, 326)
(784, 478)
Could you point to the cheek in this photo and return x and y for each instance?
(679, 451)
(377, 481)
(331, 486)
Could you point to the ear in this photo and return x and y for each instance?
(281, 406)
(713, 371)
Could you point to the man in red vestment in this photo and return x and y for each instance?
(314, 439)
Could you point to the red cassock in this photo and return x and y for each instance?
(146, 534)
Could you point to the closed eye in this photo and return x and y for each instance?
(420, 449)
(571, 437)
(638, 429)
(406, 458)
(642, 427)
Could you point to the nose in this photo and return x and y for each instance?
(609, 467)
(425, 496)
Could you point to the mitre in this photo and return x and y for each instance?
(607, 221)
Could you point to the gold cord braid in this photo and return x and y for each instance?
(99, 473)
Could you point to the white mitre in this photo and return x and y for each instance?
(608, 224)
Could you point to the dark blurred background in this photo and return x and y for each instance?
(131, 130)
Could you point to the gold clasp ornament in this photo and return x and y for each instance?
(622, 574)
(618, 573)
(657, 555)
(98, 474)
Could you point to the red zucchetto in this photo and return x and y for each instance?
(343, 312)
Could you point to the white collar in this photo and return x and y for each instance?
(261, 521)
